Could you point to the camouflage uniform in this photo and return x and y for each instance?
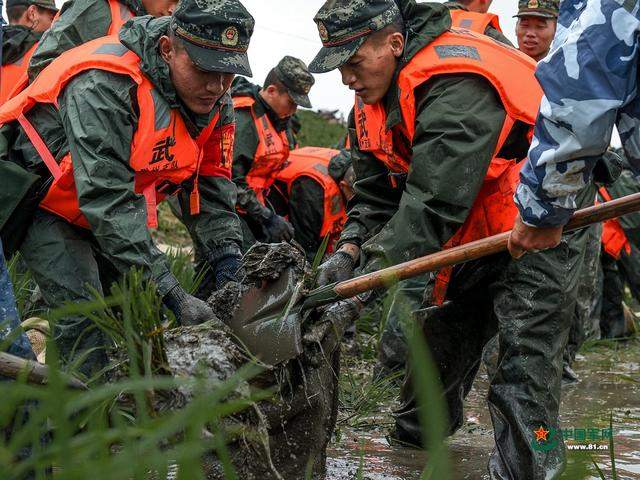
(294, 75)
(529, 302)
(590, 81)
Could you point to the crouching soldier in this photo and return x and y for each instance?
(137, 117)
(312, 191)
(262, 144)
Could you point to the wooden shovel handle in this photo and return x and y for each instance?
(12, 366)
(477, 249)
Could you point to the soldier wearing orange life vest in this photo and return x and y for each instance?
(80, 21)
(473, 15)
(139, 117)
(263, 141)
(441, 124)
(312, 191)
(28, 20)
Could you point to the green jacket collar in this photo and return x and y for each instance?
(16, 41)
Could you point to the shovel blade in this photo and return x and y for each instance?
(260, 324)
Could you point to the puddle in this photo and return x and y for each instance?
(605, 387)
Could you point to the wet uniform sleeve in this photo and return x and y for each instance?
(589, 83)
(80, 21)
(217, 227)
(97, 115)
(458, 122)
(244, 150)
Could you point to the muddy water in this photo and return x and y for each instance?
(605, 386)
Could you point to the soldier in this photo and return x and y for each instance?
(262, 144)
(473, 15)
(312, 191)
(429, 142)
(536, 26)
(139, 116)
(28, 19)
(590, 84)
(83, 20)
(620, 258)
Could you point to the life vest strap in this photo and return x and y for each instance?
(150, 196)
(40, 146)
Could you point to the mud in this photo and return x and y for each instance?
(606, 385)
(289, 433)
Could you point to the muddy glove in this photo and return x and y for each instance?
(227, 270)
(188, 309)
(338, 268)
(277, 229)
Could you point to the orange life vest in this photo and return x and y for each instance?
(474, 21)
(12, 74)
(614, 240)
(163, 154)
(512, 75)
(120, 13)
(271, 154)
(313, 162)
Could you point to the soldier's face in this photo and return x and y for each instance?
(159, 8)
(369, 72)
(535, 35)
(199, 90)
(280, 101)
(36, 18)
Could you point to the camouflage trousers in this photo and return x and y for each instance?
(530, 304)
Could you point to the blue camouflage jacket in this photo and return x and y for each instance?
(590, 84)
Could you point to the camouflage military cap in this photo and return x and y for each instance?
(215, 33)
(295, 76)
(538, 8)
(47, 4)
(344, 26)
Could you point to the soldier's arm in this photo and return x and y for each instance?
(217, 227)
(586, 80)
(80, 21)
(375, 199)
(97, 115)
(244, 150)
(458, 122)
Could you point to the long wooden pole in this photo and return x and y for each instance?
(477, 249)
(12, 367)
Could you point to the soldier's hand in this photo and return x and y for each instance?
(188, 309)
(339, 267)
(525, 239)
(227, 269)
(277, 229)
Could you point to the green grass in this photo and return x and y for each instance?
(318, 132)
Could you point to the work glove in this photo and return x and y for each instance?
(227, 269)
(339, 267)
(277, 229)
(188, 309)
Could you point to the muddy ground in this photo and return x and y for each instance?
(609, 382)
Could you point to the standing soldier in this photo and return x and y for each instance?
(262, 144)
(440, 121)
(28, 19)
(139, 116)
(83, 20)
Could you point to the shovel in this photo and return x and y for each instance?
(269, 320)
